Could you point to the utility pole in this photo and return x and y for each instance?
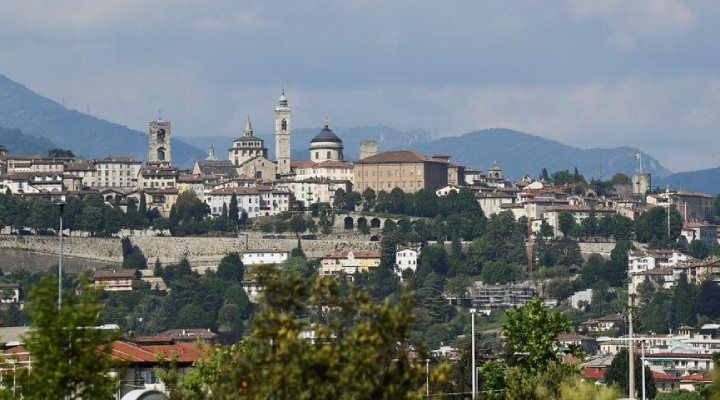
(631, 349)
(474, 370)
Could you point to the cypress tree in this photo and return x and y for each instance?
(233, 212)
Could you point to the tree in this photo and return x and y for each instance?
(368, 199)
(531, 336)
(233, 211)
(684, 302)
(652, 225)
(70, 357)
(699, 249)
(358, 352)
(231, 268)
(617, 374)
(565, 222)
(298, 224)
(58, 152)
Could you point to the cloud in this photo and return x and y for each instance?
(632, 21)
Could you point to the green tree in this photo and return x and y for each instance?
(617, 374)
(699, 249)
(359, 350)
(684, 302)
(298, 224)
(531, 336)
(231, 268)
(652, 225)
(233, 211)
(565, 222)
(70, 357)
(368, 199)
(58, 152)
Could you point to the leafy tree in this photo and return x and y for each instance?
(500, 272)
(231, 268)
(618, 374)
(531, 336)
(359, 350)
(503, 241)
(233, 211)
(565, 222)
(652, 225)
(699, 249)
(58, 152)
(560, 289)
(684, 302)
(298, 225)
(368, 199)
(70, 357)
(680, 394)
(710, 304)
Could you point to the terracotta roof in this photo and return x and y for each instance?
(301, 163)
(563, 337)
(115, 273)
(189, 334)
(356, 254)
(399, 156)
(664, 377)
(80, 166)
(594, 373)
(679, 355)
(119, 159)
(334, 164)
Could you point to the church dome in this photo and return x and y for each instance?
(326, 135)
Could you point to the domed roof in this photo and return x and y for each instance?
(283, 100)
(326, 135)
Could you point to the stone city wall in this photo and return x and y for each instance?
(38, 253)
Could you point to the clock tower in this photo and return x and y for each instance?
(159, 146)
(282, 135)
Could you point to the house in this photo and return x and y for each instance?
(568, 340)
(349, 262)
(645, 260)
(258, 257)
(314, 190)
(702, 231)
(255, 201)
(406, 258)
(190, 335)
(602, 324)
(115, 280)
(9, 293)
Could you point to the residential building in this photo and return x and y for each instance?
(330, 169)
(117, 172)
(9, 293)
(314, 190)
(348, 263)
(579, 213)
(407, 170)
(156, 176)
(256, 202)
(115, 280)
(602, 324)
(406, 258)
(85, 170)
(702, 231)
(264, 257)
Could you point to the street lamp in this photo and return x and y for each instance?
(61, 204)
(427, 378)
(474, 370)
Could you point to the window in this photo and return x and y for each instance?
(328, 155)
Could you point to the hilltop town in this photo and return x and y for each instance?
(179, 253)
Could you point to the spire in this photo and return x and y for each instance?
(248, 127)
(326, 121)
(211, 154)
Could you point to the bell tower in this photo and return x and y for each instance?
(159, 146)
(282, 135)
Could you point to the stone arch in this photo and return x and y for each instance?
(374, 238)
(109, 198)
(375, 223)
(161, 154)
(349, 223)
(361, 220)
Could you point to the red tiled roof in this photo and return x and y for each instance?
(593, 373)
(115, 273)
(301, 163)
(334, 164)
(399, 156)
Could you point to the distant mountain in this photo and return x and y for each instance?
(85, 135)
(520, 154)
(17, 142)
(706, 180)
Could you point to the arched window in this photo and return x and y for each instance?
(161, 154)
(328, 155)
(283, 125)
(317, 155)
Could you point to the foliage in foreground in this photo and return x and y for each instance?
(70, 357)
(357, 349)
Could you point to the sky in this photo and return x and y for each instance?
(587, 73)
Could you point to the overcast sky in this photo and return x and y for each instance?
(588, 73)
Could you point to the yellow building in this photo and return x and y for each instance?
(404, 169)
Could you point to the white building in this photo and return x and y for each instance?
(264, 257)
(118, 172)
(256, 202)
(315, 190)
(639, 262)
(406, 258)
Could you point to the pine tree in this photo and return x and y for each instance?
(233, 211)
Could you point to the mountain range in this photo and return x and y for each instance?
(87, 136)
(32, 124)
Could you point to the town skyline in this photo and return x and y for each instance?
(641, 74)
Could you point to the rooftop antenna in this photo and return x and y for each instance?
(638, 156)
(160, 115)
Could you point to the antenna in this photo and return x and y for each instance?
(160, 115)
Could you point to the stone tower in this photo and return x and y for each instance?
(282, 135)
(641, 183)
(368, 148)
(159, 147)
